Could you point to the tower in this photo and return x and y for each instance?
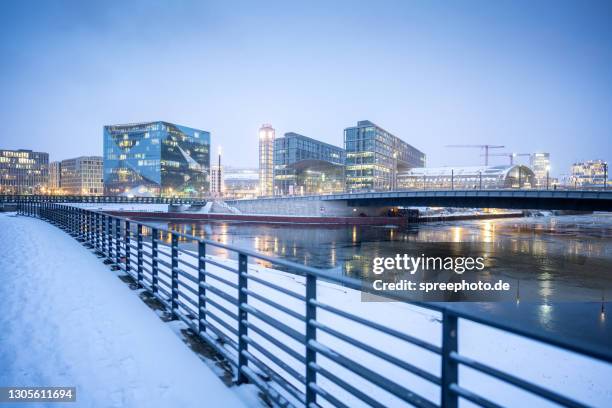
(266, 160)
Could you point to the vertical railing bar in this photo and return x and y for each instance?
(311, 334)
(139, 246)
(154, 254)
(117, 242)
(109, 237)
(201, 288)
(174, 263)
(242, 317)
(450, 370)
(126, 243)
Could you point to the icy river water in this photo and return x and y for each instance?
(560, 267)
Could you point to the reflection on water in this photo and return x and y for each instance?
(548, 258)
(545, 258)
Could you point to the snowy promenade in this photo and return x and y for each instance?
(67, 320)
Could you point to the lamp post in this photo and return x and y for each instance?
(219, 174)
(605, 180)
(480, 180)
(547, 176)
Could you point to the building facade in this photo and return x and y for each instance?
(540, 164)
(55, 169)
(467, 178)
(374, 157)
(82, 176)
(156, 159)
(24, 172)
(266, 160)
(303, 165)
(241, 182)
(587, 174)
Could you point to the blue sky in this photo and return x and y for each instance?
(531, 75)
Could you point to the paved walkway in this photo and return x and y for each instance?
(66, 320)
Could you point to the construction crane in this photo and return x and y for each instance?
(511, 156)
(486, 148)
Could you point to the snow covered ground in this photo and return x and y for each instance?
(67, 320)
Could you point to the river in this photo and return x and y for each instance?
(560, 267)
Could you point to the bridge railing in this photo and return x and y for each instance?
(285, 340)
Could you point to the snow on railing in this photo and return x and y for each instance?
(287, 333)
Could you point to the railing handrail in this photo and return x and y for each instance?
(95, 227)
(358, 285)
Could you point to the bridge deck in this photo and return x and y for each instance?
(68, 321)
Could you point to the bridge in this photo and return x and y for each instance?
(372, 203)
(377, 203)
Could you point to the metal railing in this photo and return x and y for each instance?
(278, 347)
(8, 198)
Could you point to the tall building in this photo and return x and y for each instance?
(156, 159)
(540, 164)
(303, 165)
(591, 173)
(266, 160)
(374, 157)
(217, 185)
(55, 177)
(82, 176)
(23, 172)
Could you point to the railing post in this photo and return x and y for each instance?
(450, 370)
(154, 267)
(242, 317)
(139, 246)
(98, 230)
(311, 334)
(201, 288)
(109, 237)
(126, 242)
(174, 263)
(90, 236)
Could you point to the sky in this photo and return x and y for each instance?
(530, 75)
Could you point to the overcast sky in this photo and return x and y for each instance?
(534, 76)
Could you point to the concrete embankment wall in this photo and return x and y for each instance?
(261, 218)
(311, 207)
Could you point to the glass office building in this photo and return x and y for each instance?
(540, 164)
(588, 174)
(307, 166)
(24, 172)
(156, 159)
(374, 157)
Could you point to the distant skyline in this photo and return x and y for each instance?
(533, 76)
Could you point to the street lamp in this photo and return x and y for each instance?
(547, 176)
(219, 174)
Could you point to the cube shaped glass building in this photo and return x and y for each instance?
(156, 159)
